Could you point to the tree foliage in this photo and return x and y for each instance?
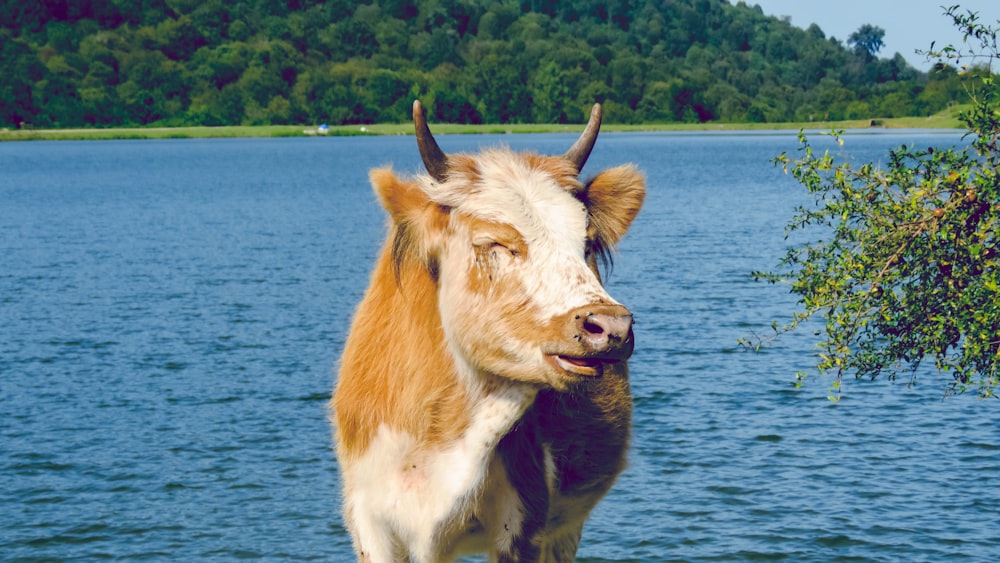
(211, 62)
(867, 40)
(909, 268)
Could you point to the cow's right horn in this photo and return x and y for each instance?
(580, 151)
(434, 158)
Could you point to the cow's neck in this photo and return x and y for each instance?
(450, 401)
(437, 419)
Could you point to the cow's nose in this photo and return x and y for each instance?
(605, 330)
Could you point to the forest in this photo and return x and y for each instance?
(107, 63)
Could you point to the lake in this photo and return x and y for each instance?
(171, 313)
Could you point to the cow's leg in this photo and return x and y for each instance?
(514, 545)
(522, 506)
(561, 548)
(373, 541)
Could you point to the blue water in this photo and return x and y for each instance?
(171, 312)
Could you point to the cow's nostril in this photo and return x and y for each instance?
(592, 327)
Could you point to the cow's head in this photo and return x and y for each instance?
(512, 241)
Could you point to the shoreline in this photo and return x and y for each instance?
(944, 120)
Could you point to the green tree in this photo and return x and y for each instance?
(222, 65)
(867, 40)
(449, 98)
(218, 107)
(387, 92)
(501, 87)
(19, 69)
(551, 92)
(628, 79)
(355, 38)
(153, 87)
(100, 106)
(179, 39)
(61, 101)
(909, 268)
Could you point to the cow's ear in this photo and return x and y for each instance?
(613, 199)
(404, 201)
(408, 205)
(418, 222)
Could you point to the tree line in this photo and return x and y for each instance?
(101, 63)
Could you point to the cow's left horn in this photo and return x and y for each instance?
(435, 160)
(580, 151)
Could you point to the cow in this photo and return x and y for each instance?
(482, 402)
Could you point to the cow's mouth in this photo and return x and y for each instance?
(586, 366)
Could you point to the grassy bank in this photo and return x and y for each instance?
(944, 120)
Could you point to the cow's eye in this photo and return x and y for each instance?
(494, 249)
(499, 249)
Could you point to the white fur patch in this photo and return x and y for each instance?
(552, 221)
(400, 495)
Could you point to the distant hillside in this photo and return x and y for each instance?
(66, 63)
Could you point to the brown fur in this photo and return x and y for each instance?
(375, 361)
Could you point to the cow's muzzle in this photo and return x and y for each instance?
(601, 334)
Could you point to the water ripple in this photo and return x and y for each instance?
(172, 316)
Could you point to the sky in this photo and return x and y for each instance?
(908, 24)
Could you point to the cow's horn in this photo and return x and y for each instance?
(580, 151)
(435, 160)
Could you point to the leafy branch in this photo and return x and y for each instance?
(910, 270)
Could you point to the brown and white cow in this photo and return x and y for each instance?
(483, 400)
